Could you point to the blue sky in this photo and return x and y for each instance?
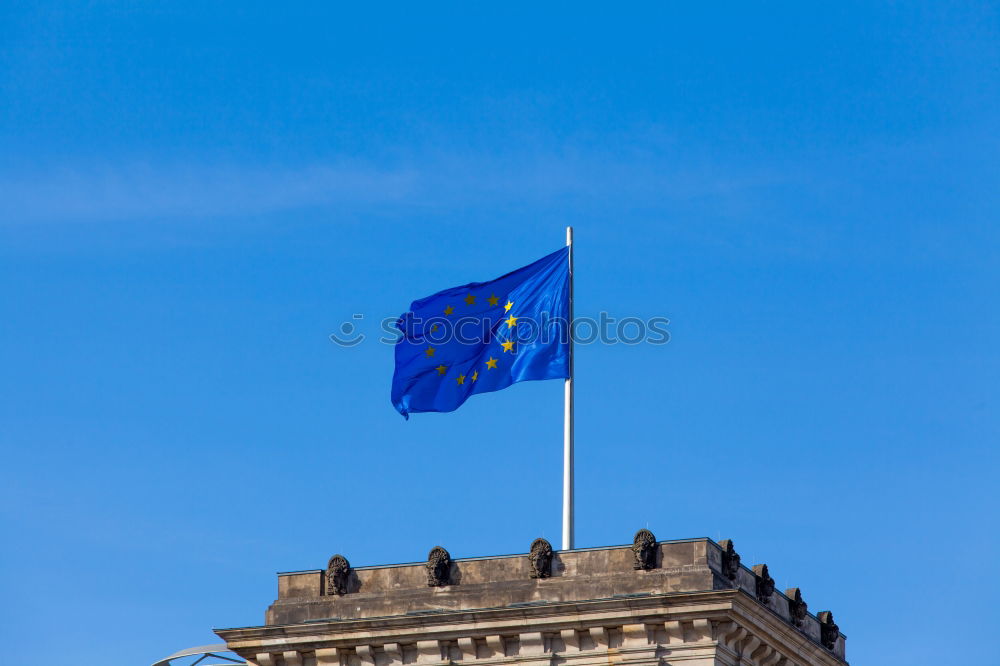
(194, 196)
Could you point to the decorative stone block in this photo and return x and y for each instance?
(338, 570)
(730, 560)
(393, 652)
(644, 550)
(328, 657)
(764, 584)
(635, 635)
(572, 639)
(438, 567)
(428, 652)
(532, 643)
(467, 647)
(540, 558)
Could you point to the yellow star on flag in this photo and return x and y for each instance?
(509, 305)
(441, 369)
(491, 364)
(460, 379)
(475, 375)
(429, 351)
(470, 299)
(493, 300)
(508, 345)
(448, 310)
(511, 321)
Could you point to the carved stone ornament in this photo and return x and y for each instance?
(764, 585)
(730, 559)
(337, 572)
(438, 567)
(796, 607)
(829, 632)
(540, 557)
(644, 550)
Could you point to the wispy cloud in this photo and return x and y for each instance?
(143, 190)
(164, 190)
(640, 170)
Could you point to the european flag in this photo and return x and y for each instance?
(484, 336)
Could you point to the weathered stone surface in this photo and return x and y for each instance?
(593, 602)
(497, 581)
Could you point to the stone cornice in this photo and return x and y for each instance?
(643, 605)
(730, 621)
(537, 612)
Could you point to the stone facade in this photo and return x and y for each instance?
(596, 607)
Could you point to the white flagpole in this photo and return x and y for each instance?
(567, 526)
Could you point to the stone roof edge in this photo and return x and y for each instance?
(715, 543)
(493, 557)
(740, 603)
(552, 608)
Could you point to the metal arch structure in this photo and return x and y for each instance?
(204, 655)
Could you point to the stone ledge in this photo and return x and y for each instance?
(728, 622)
(541, 603)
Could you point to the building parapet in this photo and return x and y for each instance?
(656, 598)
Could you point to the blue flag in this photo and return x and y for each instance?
(484, 336)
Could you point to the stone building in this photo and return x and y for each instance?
(658, 603)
